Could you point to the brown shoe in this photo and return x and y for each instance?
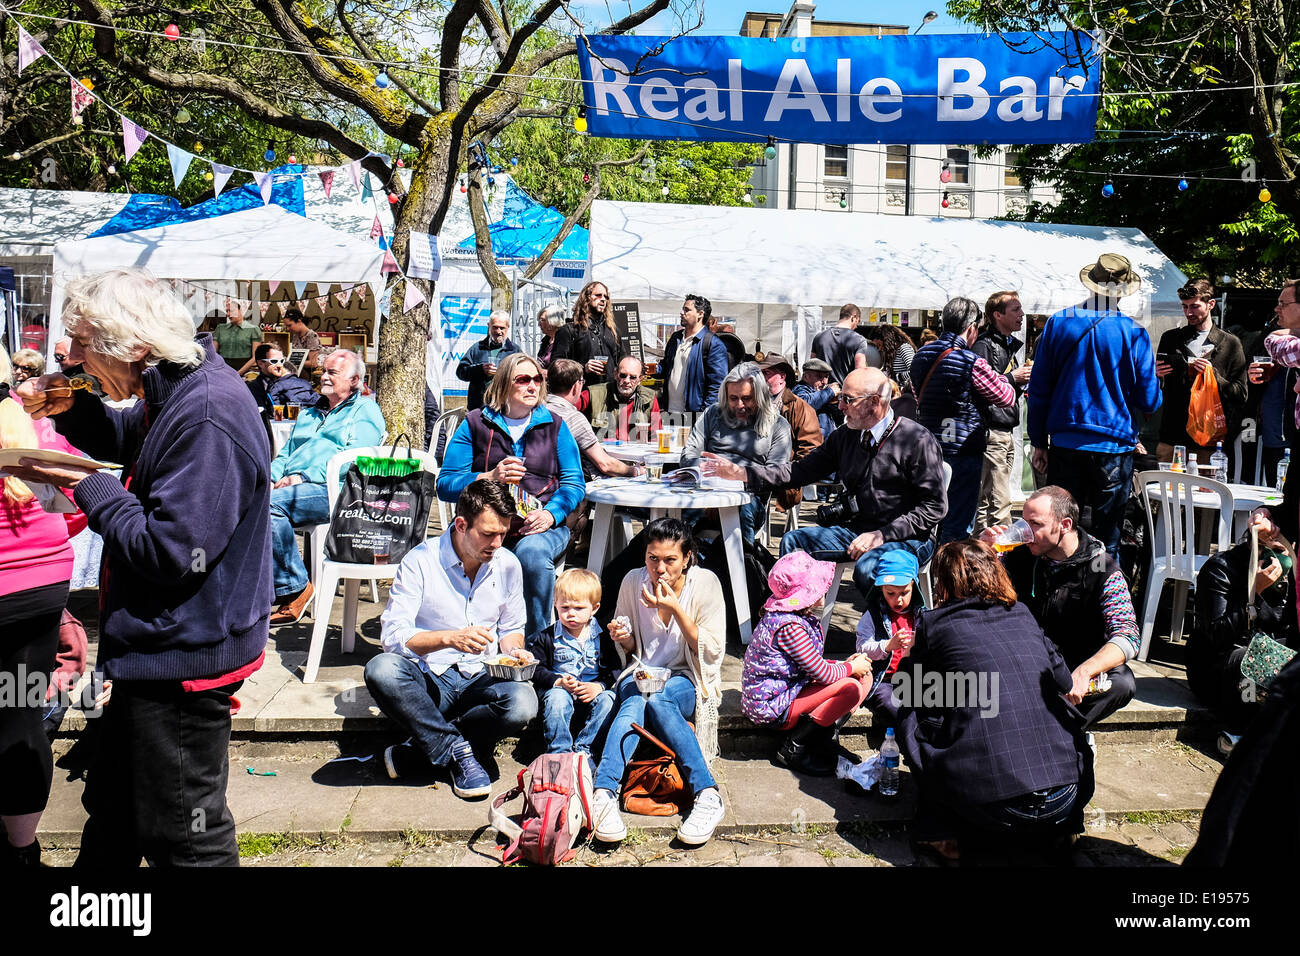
(291, 612)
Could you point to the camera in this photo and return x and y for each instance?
(841, 511)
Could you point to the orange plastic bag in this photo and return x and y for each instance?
(1205, 421)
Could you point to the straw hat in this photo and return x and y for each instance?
(1111, 275)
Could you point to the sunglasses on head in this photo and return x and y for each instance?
(522, 380)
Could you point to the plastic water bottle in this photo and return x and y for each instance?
(889, 757)
(1220, 462)
(1282, 467)
(1193, 466)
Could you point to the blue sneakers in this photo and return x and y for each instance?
(468, 778)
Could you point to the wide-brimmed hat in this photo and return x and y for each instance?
(897, 568)
(798, 580)
(1111, 275)
(817, 365)
(777, 360)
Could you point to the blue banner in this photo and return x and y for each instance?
(950, 88)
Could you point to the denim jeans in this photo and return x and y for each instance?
(1100, 484)
(831, 544)
(292, 507)
(537, 553)
(438, 709)
(559, 708)
(963, 497)
(665, 715)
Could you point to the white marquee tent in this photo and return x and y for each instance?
(762, 267)
(264, 243)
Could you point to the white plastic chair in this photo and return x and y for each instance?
(330, 573)
(451, 420)
(1173, 542)
(1237, 449)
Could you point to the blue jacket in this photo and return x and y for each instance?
(947, 405)
(708, 367)
(818, 399)
(470, 368)
(187, 547)
(1090, 384)
(321, 434)
(457, 467)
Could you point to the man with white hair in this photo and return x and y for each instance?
(343, 418)
(484, 357)
(187, 564)
(744, 426)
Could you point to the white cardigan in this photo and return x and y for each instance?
(706, 606)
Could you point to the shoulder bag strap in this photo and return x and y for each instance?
(933, 368)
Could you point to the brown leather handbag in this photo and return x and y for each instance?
(654, 785)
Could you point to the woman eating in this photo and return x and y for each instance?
(513, 438)
(670, 614)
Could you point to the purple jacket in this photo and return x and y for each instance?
(770, 680)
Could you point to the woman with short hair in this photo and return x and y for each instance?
(27, 363)
(1013, 761)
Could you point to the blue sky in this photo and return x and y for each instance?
(724, 16)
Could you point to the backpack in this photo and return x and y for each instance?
(557, 808)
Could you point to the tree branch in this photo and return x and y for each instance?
(483, 250)
(496, 30)
(365, 51)
(453, 31)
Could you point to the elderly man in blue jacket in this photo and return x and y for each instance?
(342, 419)
(695, 361)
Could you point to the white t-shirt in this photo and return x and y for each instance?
(662, 645)
(677, 381)
(517, 426)
(1196, 344)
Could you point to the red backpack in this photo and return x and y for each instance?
(557, 808)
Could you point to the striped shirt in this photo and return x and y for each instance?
(991, 386)
(1285, 349)
(796, 641)
(1121, 621)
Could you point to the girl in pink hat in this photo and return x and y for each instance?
(787, 681)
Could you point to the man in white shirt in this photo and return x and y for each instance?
(457, 601)
(695, 362)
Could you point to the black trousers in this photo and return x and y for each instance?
(157, 782)
(29, 639)
(1097, 707)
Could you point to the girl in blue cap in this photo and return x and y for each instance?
(886, 628)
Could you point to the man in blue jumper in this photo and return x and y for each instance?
(1093, 374)
(694, 365)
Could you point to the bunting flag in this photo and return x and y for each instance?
(220, 176)
(272, 285)
(327, 181)
(323, 302)
(133, 137)
(390, 264)
(362, 290)
(300, 289)
(264, 186)
(180, 161)
(81, 98)
(412, 298)
(265, 307)
(366, 191)
(354, 168)
(29, 51)
(303, 305)
(376, 229)
(344, 297)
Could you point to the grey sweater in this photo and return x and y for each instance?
(744, 446)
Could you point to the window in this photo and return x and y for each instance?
(895, 164)
(959, 164)
(1010, 174)
(836, 162)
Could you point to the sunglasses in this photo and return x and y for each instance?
(629, 377)
(522, 380)
(279, 361)
(60, 358)
(26, 368)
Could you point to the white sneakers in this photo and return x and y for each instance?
(695, 830)
(704, 819)
(609, 825)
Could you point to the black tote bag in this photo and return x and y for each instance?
(382, 510)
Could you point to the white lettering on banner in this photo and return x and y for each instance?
(602, 89)
(1057, 89)
(807, 97)
(843, 90)
(1027, 101)
(655, 91)
(705, 105)
(734, 95)
(868, 99)
(949, 89)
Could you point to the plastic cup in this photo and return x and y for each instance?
(279, 413)
(292, 412)
(654, 467)
(683, 435)
(1016, 534)
(665, 441)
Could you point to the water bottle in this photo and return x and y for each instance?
(889, 757)
(1220, 462)
(1282, 467)
(1193, 466)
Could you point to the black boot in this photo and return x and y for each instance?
(20, 857)
(805, 751)
(794, 748)
(823, 751)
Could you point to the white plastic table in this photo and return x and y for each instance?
(1245, 499)
(635, 451)
(606, 494)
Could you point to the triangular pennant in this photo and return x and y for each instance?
(263, 186)
(81, 98)
(29, 51)
(133, 137)
(180, 161)
(344, 297)
(366, 191)
(412, 298)
(362, 290)
(376, 229)
(299, 288)
(327, 181)
(302, 304)
(323, 302)
(354, 168)
(390, 264)
(273, 285)
(220, 176)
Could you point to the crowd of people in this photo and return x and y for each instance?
(913, 445)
